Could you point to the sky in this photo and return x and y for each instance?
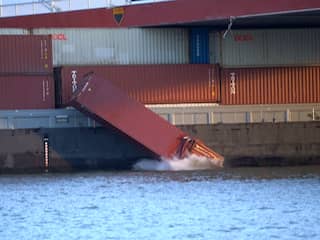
(23, 1)
(15, 1)
(62, 4)
(75, 2)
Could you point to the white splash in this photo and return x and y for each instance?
(192, 162)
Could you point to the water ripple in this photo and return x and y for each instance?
(160, 205)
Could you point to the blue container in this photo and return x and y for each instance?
(199, 45)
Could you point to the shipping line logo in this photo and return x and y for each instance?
(243, 37)
(59, 36)
(118, 14)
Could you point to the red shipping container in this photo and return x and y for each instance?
(151, 84)
(275, 85)
(26, 92)
(108, 104)
(25, 54)
(103, 101)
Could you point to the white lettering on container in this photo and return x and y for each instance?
(74, 81)
(232, 83)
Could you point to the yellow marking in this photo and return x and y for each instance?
(118, 10)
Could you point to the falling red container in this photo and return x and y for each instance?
(151, 84)
(275, 85)
(26, 92)
(108, 104)
(25, 54)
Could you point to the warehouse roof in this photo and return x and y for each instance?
(214, 13)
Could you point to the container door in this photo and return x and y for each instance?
(199, 45)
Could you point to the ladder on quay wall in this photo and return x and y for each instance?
(47, 6)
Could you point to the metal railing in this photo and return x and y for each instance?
(177, 114)
(47, 6)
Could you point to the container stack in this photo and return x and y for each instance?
(103, 46)
(181, 65)
(162, 65)
(152, 65)
(270, 85)
(270, 48)
(269, 66)
(26, 75)
(149, 83)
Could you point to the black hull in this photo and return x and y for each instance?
(73, 149)
(69, 149)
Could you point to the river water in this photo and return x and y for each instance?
(239, 203)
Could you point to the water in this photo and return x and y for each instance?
(239, 203)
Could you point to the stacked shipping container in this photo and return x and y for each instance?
(25, 54)
(240, 48)
(279, 85)
(26, 92)
(268, 66)
(202, 83)
(169, 79)
(26, 80)
(151, 84)
(267, 48)
(118, 46)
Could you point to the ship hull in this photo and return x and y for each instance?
(98, 148)
(69, 149)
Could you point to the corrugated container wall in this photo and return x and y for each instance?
(272, 47)
(150, 84)
(25, 54)
(26, 92)
(13, 31)
(199, 45)
(214, 47)
(282, 85)
(118, 46)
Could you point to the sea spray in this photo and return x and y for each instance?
(192, 162)
(152, 165)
